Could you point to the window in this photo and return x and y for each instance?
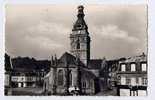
(128, 81)
(84, 84)
(143, 67)
(60, 77)
(70, 78)
(7, 79)
(140, 81)
(123, 67)
(123, 80)
(79, 26)
(91, 83)
(78, 45)
(137, 80)
(133, 81)
(133, 67)
(144, 81)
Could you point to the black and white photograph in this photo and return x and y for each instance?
(76, 50)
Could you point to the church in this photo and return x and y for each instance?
(75, 71)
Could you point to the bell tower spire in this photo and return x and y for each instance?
(80, 23)
(80, 12)
(80, 39)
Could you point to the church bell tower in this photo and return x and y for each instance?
(80, 39)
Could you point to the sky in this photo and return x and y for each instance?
(40, 31)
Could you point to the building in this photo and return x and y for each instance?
(132, 76)
(68, 74)
(75, 71)
(23, 78)
(8, 70)
(24, 72)
(28, 72)
(80, 39)
(111, 70)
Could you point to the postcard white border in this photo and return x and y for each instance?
(151, 47)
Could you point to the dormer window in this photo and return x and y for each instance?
(143, 66)
(133, 67)
(123, 67)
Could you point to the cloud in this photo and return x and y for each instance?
(41, 30)
(38, 40)
(54, 31)
(47, 35)
(113, 32)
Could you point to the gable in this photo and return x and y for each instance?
(68, 59)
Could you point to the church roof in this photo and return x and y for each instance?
(69, 59)
(26, 64)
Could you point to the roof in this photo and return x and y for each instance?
(26, 64)
(95, 64)
(69, 59)
(140, 58)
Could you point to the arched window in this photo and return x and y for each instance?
(60, 77)
(70, 78)
(84, 84)
(78, 44)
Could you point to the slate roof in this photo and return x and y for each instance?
(68, 58)
(141, 58)
(26, 64)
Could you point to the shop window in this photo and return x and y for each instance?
(144, 81)
(128, 81)
(123, 80)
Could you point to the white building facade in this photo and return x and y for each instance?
(132, 76)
